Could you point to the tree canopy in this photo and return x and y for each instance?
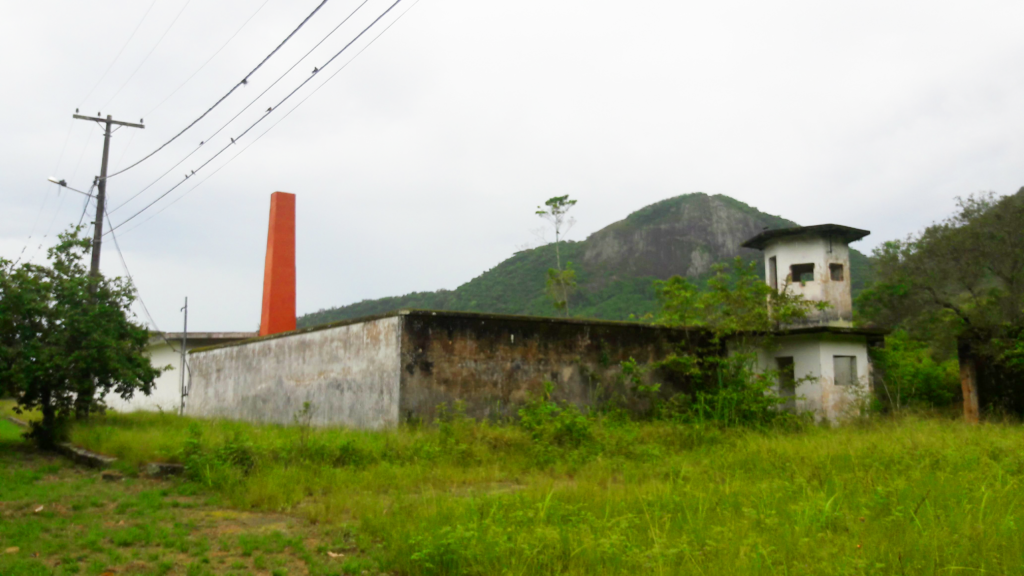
(67, 338)
(961, 277)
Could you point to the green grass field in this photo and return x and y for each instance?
(917, 495)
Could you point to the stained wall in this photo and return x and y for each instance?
(494, 363)
(348, 373)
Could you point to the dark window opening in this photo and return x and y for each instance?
(845, 368)
(787, 381)
(773, 273)
(802, 272)
(836, 272)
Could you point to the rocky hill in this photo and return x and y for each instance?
(616, 265)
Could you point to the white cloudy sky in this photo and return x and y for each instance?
(420, 164)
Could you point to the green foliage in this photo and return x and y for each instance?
(560, 286)
(557, 428)
(910, 375)
(560, 283)
(737, 301)
(66, 338)
(963, 276)
(739, 306)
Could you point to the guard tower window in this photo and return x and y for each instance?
(787, 381)
(802, 272)
(773, 273)
(845, 370)
(836, 272)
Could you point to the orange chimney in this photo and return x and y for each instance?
(279, 270)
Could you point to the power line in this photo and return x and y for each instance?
(150, 53)
(261, 118)
(233, 118)
(135, 286)
(244, 80)
(60, 203)
(112, 62)
(308, 96)
(86, 205)
(138, 295)
(208, 60)
(46, 197)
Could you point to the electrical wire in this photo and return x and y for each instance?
(119, 52)
(86, 205)
(208, 60)
(233, 118)
(308, 96)
(243, 81)
(46, 197)
(145, 309)
(135, 287)
(261, 118)
(150, 53)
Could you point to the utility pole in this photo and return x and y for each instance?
(101, 188)
(184, 366)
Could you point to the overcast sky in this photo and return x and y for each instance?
(420, 164)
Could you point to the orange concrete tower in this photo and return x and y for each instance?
(279, 270)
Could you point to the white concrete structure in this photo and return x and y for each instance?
(813, 261)
(164, 351)
(349, 373)
(823, 363)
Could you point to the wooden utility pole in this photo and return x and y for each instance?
(101, 187)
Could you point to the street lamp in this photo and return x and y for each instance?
(64, 184)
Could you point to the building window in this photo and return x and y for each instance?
(802, 272)
(845, 370)
(787, 381)
(773, 273)
(836, 272)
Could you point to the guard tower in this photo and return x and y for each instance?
(813, 261)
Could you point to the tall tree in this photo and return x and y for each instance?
(959, 286)
(961, 277)
(67, 338)
(560, 282)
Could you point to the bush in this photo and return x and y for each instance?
(555, 427)
(910, 375)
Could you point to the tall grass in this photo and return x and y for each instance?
(914, 495)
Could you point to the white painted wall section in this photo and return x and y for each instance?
(813, 366)
(165, 395)
(817, 250)
(349, 374)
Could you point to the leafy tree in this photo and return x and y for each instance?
(911, 376)
(560, 282)
(960, 281)
(66, 338)
(741, 312)
(961, 277)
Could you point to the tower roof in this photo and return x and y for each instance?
(844, 233)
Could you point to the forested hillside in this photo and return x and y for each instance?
(615, 266)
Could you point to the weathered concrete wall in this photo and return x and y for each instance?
(494, 363)
(166, 393)
(348, 373)
(820, 252)
(813, 368)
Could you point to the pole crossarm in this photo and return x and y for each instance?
(107, 120)
(101, 187)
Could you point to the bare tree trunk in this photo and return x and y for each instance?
(968, 382)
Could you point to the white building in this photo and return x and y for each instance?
(823, 363)
(164, 351)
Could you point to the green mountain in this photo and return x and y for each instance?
(615, 266)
